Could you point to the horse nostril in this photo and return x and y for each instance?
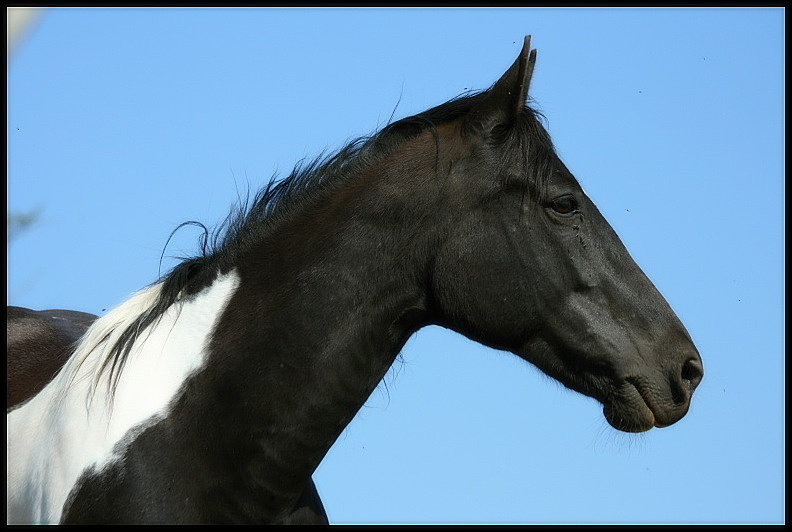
(692, 372)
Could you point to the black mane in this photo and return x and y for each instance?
(313, 180)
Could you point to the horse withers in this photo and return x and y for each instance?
(212, 395)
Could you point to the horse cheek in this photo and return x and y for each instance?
(477, 293)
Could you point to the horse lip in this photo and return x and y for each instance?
(646, 398)
(628, 408)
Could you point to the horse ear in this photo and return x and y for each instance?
(506, 98)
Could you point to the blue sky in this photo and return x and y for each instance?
(123, 123)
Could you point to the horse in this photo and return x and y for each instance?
(38, 343)
(211, 395)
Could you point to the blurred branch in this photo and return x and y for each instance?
(18, 223)
(18, 21)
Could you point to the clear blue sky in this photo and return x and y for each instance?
(123, 123)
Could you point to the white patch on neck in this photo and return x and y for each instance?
(60, 433)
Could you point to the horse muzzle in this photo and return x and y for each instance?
(641, 403)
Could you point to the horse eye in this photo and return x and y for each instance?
(564, 205)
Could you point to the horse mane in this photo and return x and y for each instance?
(310, 181)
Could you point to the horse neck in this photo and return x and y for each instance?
(322, 309)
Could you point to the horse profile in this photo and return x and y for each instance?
(212, 395)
